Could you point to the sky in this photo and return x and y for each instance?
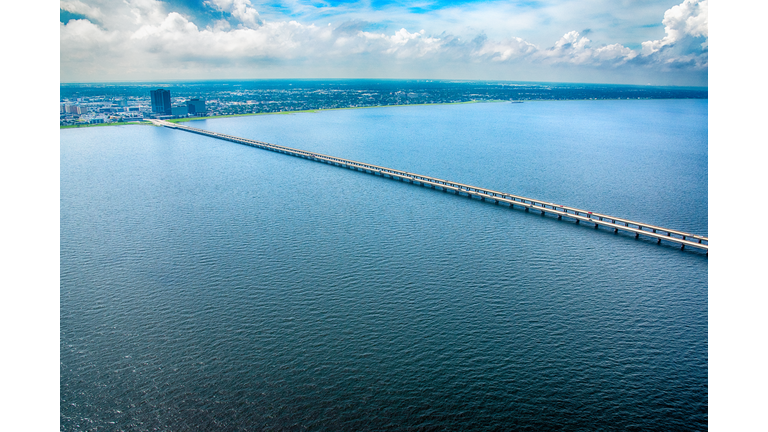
(658, 42)
(619, 41)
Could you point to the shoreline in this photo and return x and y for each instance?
(311, 111)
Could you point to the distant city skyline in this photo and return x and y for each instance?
(599, 41)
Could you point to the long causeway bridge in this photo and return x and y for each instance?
(528, 204)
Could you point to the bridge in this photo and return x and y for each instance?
(528, 204)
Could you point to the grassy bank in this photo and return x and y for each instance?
(182, 120)
(105, 124)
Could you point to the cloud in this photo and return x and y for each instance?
(173, 31)
(86, 36)
(178, 38)
(410, 45)
(350, 27)
(80, 8)
(86, 43)
(242, 10)
(145, 12)
(686, 20)
(509, 49)
(573, 48)
(155, 41)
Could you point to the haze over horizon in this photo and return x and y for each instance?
(596, 41)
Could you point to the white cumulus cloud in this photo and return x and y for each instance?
(688, 19)
(576, 49)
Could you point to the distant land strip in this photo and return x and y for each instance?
(315, 110)
(599, 220)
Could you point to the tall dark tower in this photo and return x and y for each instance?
(161, 101)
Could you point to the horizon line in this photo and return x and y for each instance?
(370, 79)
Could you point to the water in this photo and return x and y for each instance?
(208, 285)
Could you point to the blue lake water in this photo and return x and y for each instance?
(207, 285)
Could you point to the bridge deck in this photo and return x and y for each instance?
(617, 224)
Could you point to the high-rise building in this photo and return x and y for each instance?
(196, 106)
(74, 109)
(161, 101)
(180, 110)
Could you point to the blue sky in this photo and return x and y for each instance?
(619, 41)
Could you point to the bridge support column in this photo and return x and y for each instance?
(559, 217)
(637, 235)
